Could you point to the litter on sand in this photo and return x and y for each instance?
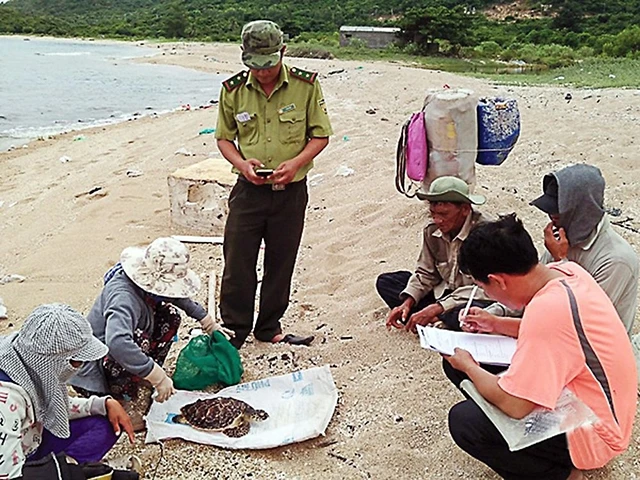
(184, 151)
(3, 310)
(344, 171)
(12, 277)
(198, 239)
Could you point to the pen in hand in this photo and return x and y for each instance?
(465, 312)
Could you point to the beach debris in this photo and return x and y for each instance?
(316, 179)
(614, 212)
(134, 173)
(64, 159)
(79, 138)
(335, 72)
(371, 111)
(559, 78)
(96, 191)
(3, 310)
(12, 277)
(207, 131)
(611, 75)
(568, 97)
(185, 152)
(345, 138)
(344, 171)
(198, 239)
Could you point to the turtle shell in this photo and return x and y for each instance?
(216, 414)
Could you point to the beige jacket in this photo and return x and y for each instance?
(438, 268)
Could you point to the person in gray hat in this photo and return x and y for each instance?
(272, 123)
(579, 231)
(37, 416)
(436, 290)
(574, 200)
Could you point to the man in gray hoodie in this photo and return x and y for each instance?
(580, 231)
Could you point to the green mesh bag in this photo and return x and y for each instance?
(207, 360)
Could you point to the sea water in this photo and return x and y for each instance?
(51, 86)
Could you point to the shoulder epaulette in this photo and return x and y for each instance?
(308, 77)
(234, 82)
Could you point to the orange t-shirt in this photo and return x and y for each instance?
(571, 336)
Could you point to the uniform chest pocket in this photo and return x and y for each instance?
(293, 127)
(444, 269)
(248, 130)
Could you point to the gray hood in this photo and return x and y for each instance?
(580, 201)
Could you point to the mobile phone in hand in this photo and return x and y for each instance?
(264, 172)
(556, 233)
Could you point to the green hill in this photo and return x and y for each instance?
(591, 24)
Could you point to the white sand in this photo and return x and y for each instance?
(391, 420)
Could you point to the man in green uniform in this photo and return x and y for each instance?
(272, 122)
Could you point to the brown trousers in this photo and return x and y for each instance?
(259, 213)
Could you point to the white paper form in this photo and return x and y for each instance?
(484, 348)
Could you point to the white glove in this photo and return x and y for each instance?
(209, 325)
(161, 382)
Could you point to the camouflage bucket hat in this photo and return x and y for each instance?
(261, 44)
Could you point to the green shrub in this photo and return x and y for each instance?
(489, 49)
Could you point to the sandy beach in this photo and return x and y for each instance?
(391, 420)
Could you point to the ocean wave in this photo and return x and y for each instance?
(63, 54)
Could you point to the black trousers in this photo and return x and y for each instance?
(474, 433)
(390, 286)
(259, 213)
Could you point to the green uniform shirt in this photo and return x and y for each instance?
(277, 128)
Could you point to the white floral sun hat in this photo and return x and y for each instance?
(161, 268)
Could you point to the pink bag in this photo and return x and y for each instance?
(412, 153)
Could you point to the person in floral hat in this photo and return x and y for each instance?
(135, 315)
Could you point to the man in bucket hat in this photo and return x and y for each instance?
(135, 316)
(437, 290)
(272, 123)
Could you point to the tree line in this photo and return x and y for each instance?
(602, 28)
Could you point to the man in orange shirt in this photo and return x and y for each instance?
(570, 336)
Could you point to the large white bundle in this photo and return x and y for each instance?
(452, 134)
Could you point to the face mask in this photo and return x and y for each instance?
(68, 372)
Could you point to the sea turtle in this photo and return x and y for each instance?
(220, 414)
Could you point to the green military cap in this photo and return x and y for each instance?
(261, 44)
(450, 189)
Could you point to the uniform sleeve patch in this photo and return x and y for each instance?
(322, 105)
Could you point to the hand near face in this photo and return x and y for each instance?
(556, 242)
